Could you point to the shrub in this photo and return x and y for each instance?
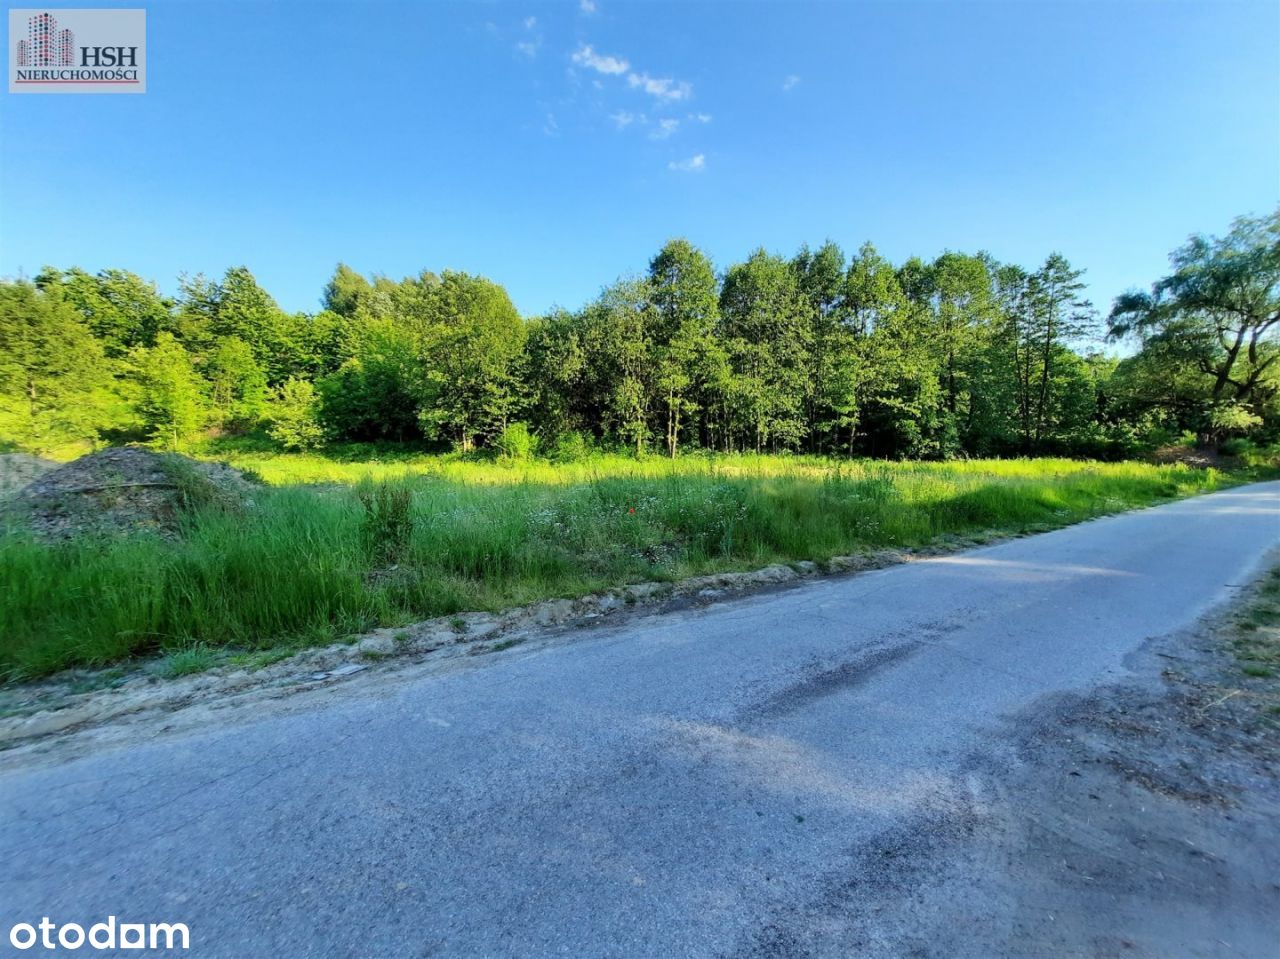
(515, 442)
(295, 416)
(570, 447)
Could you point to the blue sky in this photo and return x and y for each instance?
(554, 147)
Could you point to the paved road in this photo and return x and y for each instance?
(671, 786)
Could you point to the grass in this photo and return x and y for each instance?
(184, 662)
(1255, 638)
(312, 565)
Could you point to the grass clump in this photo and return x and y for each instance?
(387, 525)
(1256, 636)
(186, 662)
(393, 542)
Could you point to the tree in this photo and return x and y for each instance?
(961, 303)
(375, 395)
(1059, 314)
(470, 341)
(767, 325)
(820, 277)
(55, 380)
(1016, 298)
(1222, 301)
(237, 385)
(345, 291)
(121, 309)
(622, 321)
(295, 416)
(685, 300)
(553, 367)
(172, 400)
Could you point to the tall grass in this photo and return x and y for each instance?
(305, 565)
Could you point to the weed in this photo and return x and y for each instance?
(184, 662)
(387, 525)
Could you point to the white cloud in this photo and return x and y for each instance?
(587, 6)
(622, 119)
(550, 127)
(587, 57)
(664, 129)
(789, 82)
(530, 46)
(700, 117)
(695, 164)
(661, 87)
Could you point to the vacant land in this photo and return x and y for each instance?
(335, 545)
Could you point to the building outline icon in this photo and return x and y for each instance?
(46, 45)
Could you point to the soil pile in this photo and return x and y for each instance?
(19, 469)
(126, 490)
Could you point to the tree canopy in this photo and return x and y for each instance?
(819, 352)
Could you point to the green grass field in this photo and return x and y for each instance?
(385, 542)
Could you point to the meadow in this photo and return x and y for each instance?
(341, 543)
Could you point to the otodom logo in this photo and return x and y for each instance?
(77, 51)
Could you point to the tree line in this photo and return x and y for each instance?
(820, 352)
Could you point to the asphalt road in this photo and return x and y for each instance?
(675, 785)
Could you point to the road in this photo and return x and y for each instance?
(675, 785)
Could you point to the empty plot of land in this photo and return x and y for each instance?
(780, 775)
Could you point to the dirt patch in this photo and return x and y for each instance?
(1195, 456)
(125, 490)
(19, 469)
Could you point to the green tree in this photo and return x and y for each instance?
(1059, 314)
(687, 359)
(121, 309)
(295, 416)
(375, 395)
(470, 342)
(1221, 303)
(768, 329)
(820, 276)
(237, 385)
(554, 365)
(621, 349)
(55, 380)
(172, 398)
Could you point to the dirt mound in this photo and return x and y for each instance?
(126, 490)
(19, 469)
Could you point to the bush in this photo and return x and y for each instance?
(295, 416)
(515, 442)
(1237, 446)
(570, 447)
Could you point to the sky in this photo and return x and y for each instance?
(554, 147)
